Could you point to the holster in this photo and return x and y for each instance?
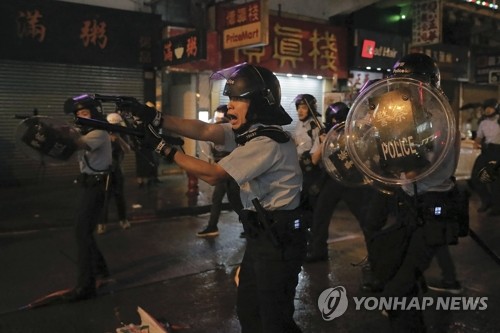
(280, 226)
(87, 180)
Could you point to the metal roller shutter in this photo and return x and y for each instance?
(25, 86)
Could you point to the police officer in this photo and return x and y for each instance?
(331, 193)
(95, 161)
(306, 133)
(488, 139)
(400, 254)
(264, 162)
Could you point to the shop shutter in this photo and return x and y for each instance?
(25, 86)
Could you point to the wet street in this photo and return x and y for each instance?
(161, 266)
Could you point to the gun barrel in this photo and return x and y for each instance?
(107, 126)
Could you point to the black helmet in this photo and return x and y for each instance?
(308, 100)
(337, 111)
(262, 88)
(74, 104)
(418, 66)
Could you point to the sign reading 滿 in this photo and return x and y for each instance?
(245, 25)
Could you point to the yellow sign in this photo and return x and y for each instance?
(246, 25)
(250, 34)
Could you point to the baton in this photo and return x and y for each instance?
(320, 125)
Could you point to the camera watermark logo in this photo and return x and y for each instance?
(333, 303)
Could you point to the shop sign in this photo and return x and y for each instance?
(185, 48)
(426, 24)
(55, 31)
(297, 47)
(244, 25)
(452, 60)
(377, 50)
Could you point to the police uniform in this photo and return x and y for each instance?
(330, 194)
(306, 133)
(94, 166)
(269, 171)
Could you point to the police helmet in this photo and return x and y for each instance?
(74, 104)
(418, 66)
(263, 89)
(337, 111)
(308, 100)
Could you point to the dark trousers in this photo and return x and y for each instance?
(330, 195)
(233, 195)
(267, 282)
(116, 191)
(90, 261)
(446, 264)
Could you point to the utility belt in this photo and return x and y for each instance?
(279, 226)
(443, 215)
(92, 180)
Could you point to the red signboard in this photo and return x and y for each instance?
(368, 49)
(297, 47)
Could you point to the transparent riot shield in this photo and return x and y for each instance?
(400, 131)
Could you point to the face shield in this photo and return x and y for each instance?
(401, 130)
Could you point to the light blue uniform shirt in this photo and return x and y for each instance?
(98, 159)
(264, 169)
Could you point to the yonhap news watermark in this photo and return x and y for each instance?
(333, 303)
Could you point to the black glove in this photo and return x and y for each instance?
(153, 139)
(142, 113)
(489, 173)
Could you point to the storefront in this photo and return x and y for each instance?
(54, 50)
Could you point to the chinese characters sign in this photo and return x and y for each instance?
(56, 31)
(245, 25)
(453, 60)
(297, 47)
(184, 48)
(426, 27)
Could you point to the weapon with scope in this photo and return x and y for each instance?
(124, 104)
(125, 130)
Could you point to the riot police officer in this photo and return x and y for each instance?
(95, 159)
(264, 162)
(427, 211)
(331, 193)
(307, 131)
